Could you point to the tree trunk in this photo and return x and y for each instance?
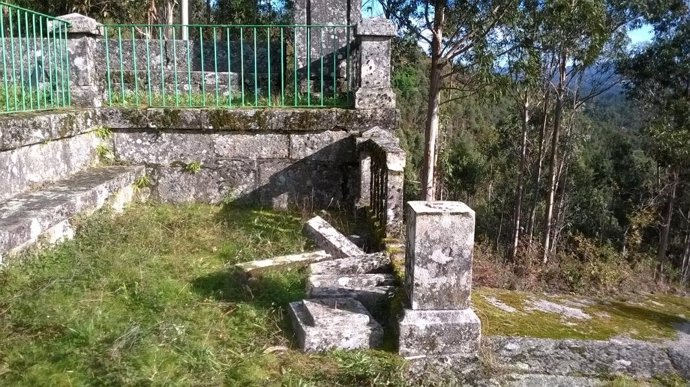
(666, 229)
(553, 161)
(432, 113)
(517, 212)
(685, 267)
(540, 162)
(169, 18)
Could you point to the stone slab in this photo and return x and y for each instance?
(320, 326)
(367, 263)
(439, 332)
(376, 299)
(635, 358)
(285, 260)
(325, 312)
(438, 261)
(328, 238)
(355, 281)
(27, 217)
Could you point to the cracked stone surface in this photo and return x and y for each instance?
(334, 323)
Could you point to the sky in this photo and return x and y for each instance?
(641, 35)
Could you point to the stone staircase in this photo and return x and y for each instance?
(43, 215)
(348, 298)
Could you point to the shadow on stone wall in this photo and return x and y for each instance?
(274, 176)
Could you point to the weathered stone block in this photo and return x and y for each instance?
(163, 148)
(368, 263)
(335, 323)
(327, 146)
(438, 262)
(282, 261)
(82, 25)
(330, 239)
(231, 180)
(371, 98)
(351, 281)
(374, 291)
(439, 332)
(251, 146)
(36, 164)
(303, 183)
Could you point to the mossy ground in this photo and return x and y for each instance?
(145, 299)
(644, 317)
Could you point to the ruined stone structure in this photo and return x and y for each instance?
(279, 158)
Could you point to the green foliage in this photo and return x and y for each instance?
(142, 182)
(193, 167)
(103, 133)
(104, 153)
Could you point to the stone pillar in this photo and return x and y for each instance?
(85, 86)
(340, 39)
(375, 90)
(438, 282)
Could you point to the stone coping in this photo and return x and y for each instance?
(22, 129)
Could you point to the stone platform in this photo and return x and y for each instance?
(45, 214)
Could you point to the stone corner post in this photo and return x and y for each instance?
(83, 35)
(438, 319)
(375, 90)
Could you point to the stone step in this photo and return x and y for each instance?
(361, 264)
(374, 291)
(44, 214)
(334, 323)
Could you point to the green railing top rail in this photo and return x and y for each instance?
(31, 12)
(231, 25)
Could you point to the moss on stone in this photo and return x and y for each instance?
(167, 119)
(138, 118)
(642, 317)
(228, 119)
(68, 125)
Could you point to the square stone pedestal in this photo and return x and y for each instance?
(334, 323)
(439, 332)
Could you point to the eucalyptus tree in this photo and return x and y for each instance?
(459, 36)
(659, 77)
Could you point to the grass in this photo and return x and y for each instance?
(650, 317)
(145, 299)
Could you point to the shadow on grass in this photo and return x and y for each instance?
(273, 290)
(649, 316)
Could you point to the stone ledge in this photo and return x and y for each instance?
(581, 357)
(369, 263)
(250, 120)
(23, 129)
(27, 217)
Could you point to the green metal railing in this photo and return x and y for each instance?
(35, 60)
(228, 65)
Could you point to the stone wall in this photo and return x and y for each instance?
(40, 148)
(277, 158)
(270, 157)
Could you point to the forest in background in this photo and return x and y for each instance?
(571, 146)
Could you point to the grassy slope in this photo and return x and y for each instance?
(145, 298)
